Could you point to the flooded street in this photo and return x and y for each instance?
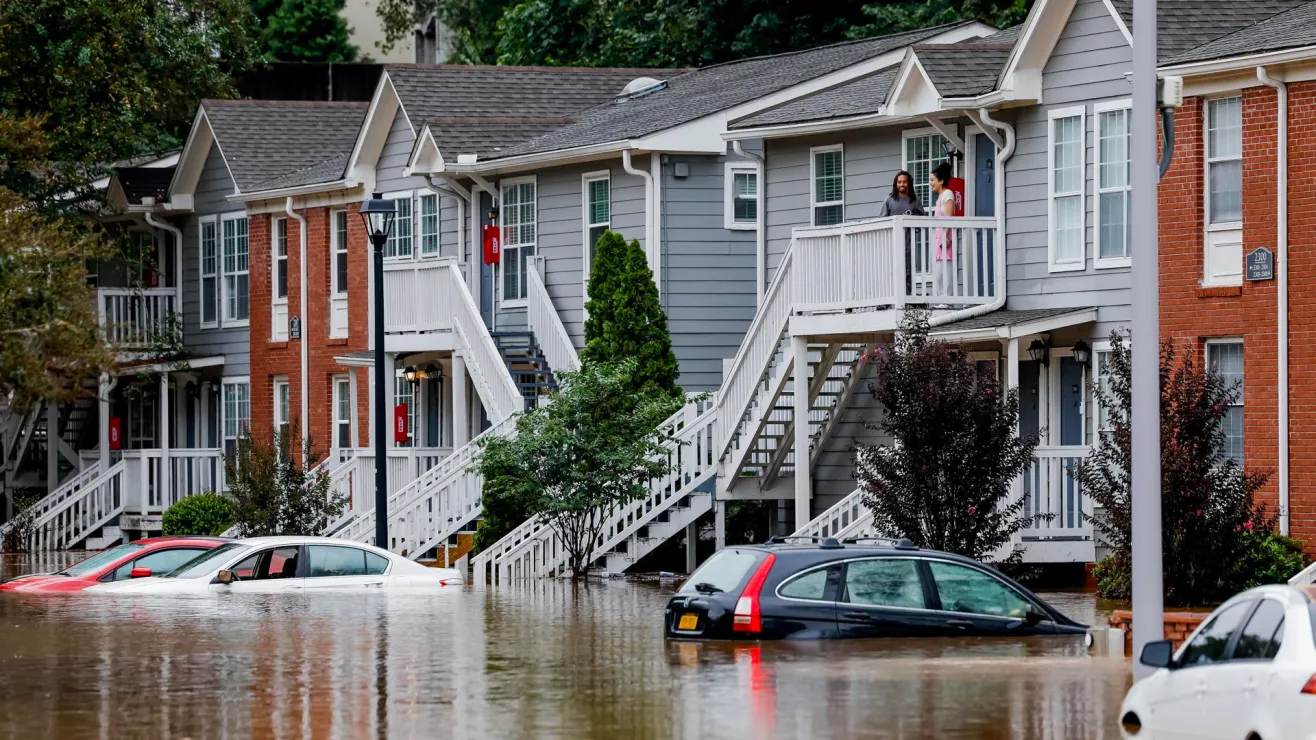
(537, 660)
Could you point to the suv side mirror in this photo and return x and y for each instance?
(140, 573)
(1159, 654)
(225, 577)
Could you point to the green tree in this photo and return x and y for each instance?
(594, 448)
(306, 31)
(945, 480)
(886, 18)
(273, 494)
(625, 319)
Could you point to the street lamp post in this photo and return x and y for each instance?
(378, 216)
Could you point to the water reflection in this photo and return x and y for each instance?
(542, 659)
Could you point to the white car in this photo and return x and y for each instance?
(1247, 673)
(275, 564)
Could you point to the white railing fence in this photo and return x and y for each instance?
(846, 518)
(78, 516)
(894, 262)
(1049, 488)
(133, 318)
(355, 477)
(418, 295)
(66, 490)
(483, 361)
(546, 324)
(154, 481)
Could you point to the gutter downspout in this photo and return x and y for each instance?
(650, 243)
(1282, 263)
(305, 321)
(178, 258)
(1001, 157)
(761, 239)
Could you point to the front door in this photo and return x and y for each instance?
(486, 271)
(984, 205)
(1071, 402)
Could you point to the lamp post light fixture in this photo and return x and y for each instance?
(378, 215)
(1038, 351)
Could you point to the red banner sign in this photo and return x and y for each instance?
(115, 442)
(957, 187)
(400, 423)
(493, 245)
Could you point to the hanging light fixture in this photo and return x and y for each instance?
(1039, 351)
(1082, 353)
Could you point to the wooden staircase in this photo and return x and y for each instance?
(526, 364)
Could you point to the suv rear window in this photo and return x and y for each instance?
(725, 571)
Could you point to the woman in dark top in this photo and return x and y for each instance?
(902, 201)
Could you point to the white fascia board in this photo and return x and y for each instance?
(425, 155)
(1041, 31)
(192, 158)
(384, 106)
(540, 159)
(916, 95)
(701, 136)
(1119, 21)
(787, 130)
(346, 183)
(1240, 63)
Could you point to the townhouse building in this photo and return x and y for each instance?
(1235, 249)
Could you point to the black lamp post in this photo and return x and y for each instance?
(378, 215)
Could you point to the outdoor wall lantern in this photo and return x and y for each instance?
(1082, 353)
(378, 215)
(434, 370)
(414, 375)
(1038, 351)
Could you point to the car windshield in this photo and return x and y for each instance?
(99, 560)
(723, 572)
(206, 562)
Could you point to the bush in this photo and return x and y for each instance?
(207, 514)
(1114, 579)
(1268, 557)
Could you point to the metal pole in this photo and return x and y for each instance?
(381, 393)
(1148, 591)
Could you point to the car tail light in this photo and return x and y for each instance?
(747, 617)
(1310, 686)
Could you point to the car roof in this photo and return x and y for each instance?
(303, 540)
(177, 539)
(853, 547)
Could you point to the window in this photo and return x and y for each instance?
(338, 274)
(1065, 179)
(923, 152)
(237, 412)
(282, 406)
(327, 560)
(268, 564)
(342, 413)
(399, 239)
(828, 186)
(429, 225)
(141, 259)
(1226, 357)
(158, 562)
(209, 274)
(598, 212)
(1224, 160)
(741, 204)
(1114, 184)
(404, 394)
(1264, 633)
(280, 260)
(724, 571)
(141, 419)
(811, 585)
(236, 253)
(519, 217)
(1208, 646)
(1101, 371)
(376, 565)
(971, 591)
(884, 582)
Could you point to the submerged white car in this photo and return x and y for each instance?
(275, 564)
(1247, 673)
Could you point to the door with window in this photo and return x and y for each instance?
(885, 597)
(975, 602)
(344, 567)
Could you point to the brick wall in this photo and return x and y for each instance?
(271, 359)
(1178, 626)
(1190, 314)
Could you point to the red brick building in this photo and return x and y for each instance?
(1222, 247)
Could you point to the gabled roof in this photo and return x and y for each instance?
(143, 182)
(1288, 29)
(487, 136)
(283, 140)
(1183, 25)
(963, 70)
(706, 91)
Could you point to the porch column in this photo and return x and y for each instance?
(800, 392)
(103, 420)
(720, 524)
(52, 447)
(166, 473)
(390, 389)
(691, 541)
(461, 415)
(1012, 364)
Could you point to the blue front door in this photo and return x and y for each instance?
(984, 205)
(486, 271)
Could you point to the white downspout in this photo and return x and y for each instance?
(1282, 265)
(305, 322)
(760, 238)
(178, 259)
(1001, 157)
(650, 246)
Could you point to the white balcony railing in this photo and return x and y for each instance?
(134, 318)
(1050, 490)
(418, 296)
(894, 262)
(155, 479)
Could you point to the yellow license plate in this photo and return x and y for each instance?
(688, 622)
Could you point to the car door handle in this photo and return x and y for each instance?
(960, 623)
(857, 615)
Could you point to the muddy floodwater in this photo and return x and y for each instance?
(541, 659)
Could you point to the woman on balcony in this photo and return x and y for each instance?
(944, 262)
(903, 201)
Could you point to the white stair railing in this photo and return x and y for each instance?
(534, 550)
(79, 515)
(499, 393)
(546, 324)
(846, 518)
(67, 489)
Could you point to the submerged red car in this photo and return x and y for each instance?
(152, 556)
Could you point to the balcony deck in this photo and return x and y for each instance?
(136, 318)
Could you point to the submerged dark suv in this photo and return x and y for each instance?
(865, 588)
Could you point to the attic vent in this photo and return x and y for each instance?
(641, 86)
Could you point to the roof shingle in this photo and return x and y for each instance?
(267, 141)
(1288, 29)
(963, 70)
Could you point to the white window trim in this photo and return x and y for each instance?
(503, 300)
(915, 133)
(1097, 348)
(729, 194)
(223, 406)
(585, 224)
(223, 289)
(814, 204)
(201, 273)
(1080, 112)
(334, 248)
(970, 164)
(281, 381)
(417, 235)
(274, 259)
(335, 382)
(1097, 109)
(408, 195)
(1228, 227)
(1241, 402)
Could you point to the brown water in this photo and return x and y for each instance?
(538, 660)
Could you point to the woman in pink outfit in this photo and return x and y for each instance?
(944, 205)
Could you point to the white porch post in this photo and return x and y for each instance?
(720, 524)
(52, 447)
(461, 416)
(1012, 365)
(103, 420)
(800, 392)
(390, 388)
(165, 472)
